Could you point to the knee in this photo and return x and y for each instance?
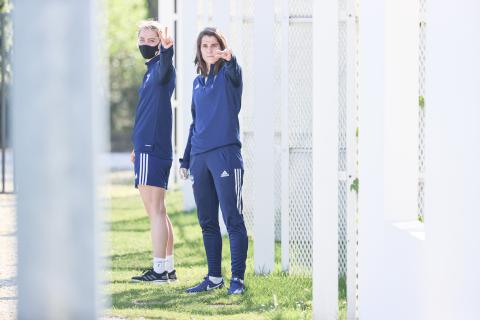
(237, 227)
(209, 226)
(159, 212)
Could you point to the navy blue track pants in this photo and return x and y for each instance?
(217, 179)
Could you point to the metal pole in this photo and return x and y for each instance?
(58, 129)
(3, 113)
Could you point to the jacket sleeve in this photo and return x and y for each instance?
(165, 65)
(233, 71)
(185, 161)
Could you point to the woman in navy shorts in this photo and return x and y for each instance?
(152, 143)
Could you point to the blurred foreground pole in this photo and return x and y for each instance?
(452, 157)
(59, 129)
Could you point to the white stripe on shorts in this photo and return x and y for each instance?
(146, 170)
(140, 178)
(142, 166)
(140, 169)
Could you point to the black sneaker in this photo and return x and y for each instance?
(172, 276)
(151, 276)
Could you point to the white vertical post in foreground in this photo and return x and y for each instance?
(371, 152)
(57, 134)
(185, 51)
(453, 153)
(263, 229)
(325, 159)
(401, 110)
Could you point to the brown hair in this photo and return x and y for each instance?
(201, 65)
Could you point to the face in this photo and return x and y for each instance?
(148, 37)
(208, 47)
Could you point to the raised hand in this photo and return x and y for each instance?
(225, 54)
(165, 40)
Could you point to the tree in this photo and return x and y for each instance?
(152, 6)
(126, 67)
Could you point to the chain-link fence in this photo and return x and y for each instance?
(300, 63)
(299, 123)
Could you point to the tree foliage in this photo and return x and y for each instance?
(126, 67)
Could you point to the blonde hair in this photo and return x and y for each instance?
(151, 25)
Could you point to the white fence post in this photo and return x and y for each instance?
(186, 48)
(352, 174)
(264, 133)
(285, 146)
(452, 155)
(401, 110)
(371, 142)
(59, 129)
(221, 16)
(325, 160)
(166, 14)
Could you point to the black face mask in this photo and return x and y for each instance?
(148, 52)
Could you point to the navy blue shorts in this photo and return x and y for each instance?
(151, 170)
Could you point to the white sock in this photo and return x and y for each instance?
(159, 265)
(169, 265)
(215, 280)
(238, 279)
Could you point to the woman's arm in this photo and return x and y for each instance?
(185, 161)
(165, 64)
(232, 69)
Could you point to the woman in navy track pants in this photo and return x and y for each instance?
(213, 156)
(152, 143)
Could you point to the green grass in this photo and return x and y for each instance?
(275, 296)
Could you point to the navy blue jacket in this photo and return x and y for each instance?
(152, 132)
(216, 102)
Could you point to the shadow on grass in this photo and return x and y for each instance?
(166, 298)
